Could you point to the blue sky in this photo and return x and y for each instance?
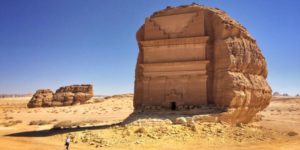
(51, 43)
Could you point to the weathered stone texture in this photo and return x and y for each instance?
(64, 96)
(42, 98)
(74, 94)
(85, 88)
(195, 55)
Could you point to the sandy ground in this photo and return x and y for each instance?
(282, 114)
(281, 117)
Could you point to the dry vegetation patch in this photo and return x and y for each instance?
(76, 124)
(11, 123)
(41, 122)
(292, 133)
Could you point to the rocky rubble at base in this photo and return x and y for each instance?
(215, 133)
(64, 96)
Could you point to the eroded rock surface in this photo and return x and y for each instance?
(194, 55)
(41, 98)
(64, 96)
(74, 94)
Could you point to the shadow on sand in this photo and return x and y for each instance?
(50, 132)
(136, 115)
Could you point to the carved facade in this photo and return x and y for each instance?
(193, 56)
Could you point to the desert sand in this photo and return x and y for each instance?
(96, 125)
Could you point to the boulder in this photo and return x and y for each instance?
(181, 120)
(74, 94)
(42, 98)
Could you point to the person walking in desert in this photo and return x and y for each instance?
(67, 142)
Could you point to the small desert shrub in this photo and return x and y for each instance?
(194, 128)
(55, 111)
(93, 122)
(83, 123)
(63, 124)
(292, 133)
(140, 130)
(11, 123)
(98, 100)
(257, 118)
(18, 121)
(126, 133)
(78, 124)
(70, 124)
(7, 118)
(39, 122)
(108, 97)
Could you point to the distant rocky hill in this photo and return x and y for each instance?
(15, 95)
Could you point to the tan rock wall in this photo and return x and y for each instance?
(236, 70)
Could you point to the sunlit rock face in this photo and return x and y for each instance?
(41, 98)
(191, 56)
(74, 94)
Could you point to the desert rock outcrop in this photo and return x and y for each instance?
(41, 98)
(193, 55)
(64, 96)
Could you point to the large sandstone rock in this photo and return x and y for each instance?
(84, 88)
(64, 96)
(42, 98)
(73, 94)
(195, 55)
